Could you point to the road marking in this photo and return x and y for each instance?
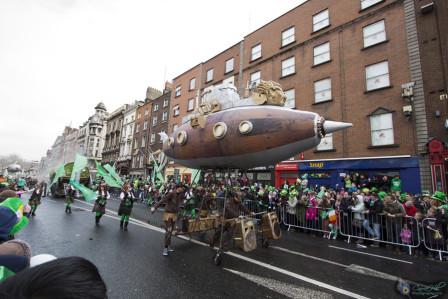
(378, 256)
(270, 267)
(285, 289)
(307, 256)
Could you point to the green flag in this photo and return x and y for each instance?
(159, 175)
(106, 176)
(58, 174)
(112, 172)
(88, 194)
(196, 174)
(79, 165)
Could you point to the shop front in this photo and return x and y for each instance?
(178, 172)
(329, 173)
(263, 175)
(286, 171)
(438, 159)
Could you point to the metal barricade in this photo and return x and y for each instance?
(432, 237)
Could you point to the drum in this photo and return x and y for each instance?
(245, 236)
(271, 227)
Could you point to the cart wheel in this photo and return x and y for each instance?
(265, 243)
(217, 259)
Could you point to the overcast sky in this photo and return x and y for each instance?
(60, 58)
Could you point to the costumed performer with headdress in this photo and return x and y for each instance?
(100, 204)
(127, 202)
(35, 198)
(172, 200)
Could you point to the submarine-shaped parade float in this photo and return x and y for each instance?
(227, 131)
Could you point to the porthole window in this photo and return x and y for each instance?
(182, 138)
(171, 142)
(245, 127)
(220, 130)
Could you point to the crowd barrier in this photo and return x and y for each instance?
(405, 234)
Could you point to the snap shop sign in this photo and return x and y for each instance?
(316, 165)
(286, 166)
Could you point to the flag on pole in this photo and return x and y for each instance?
(196, 174)
(159, 175)
(58, 174)
(112, 172)
(79, 165)
(88, 194)
(106, 176)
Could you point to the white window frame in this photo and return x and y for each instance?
(290, 98)
(382, 129)
(209, 75)
(145, 125)
(322, 90)
(321, 20)
(326, 143)
(288, 36)
(190, 104)
(154, 120)
(153, 138)
(175, 127)
(176, 110)
(164, 116)
(255, 52)
(288, 66)
(146, 112)
(135, 143)
(255, 77)
(377, 75)
(322, 53)
(229, 65)
(374, 33)
(178, 90)
(156, 107)
(137, 128)
(139, 115)
(368, 3)
(133, 162)
(192, 83)
(143, 141)
(165, 102)
(141, 162)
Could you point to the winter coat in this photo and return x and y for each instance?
(375, 209)
(394, 208)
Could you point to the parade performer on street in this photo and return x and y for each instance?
(69, 199)
(172, 200)
(125, 209)
(233, 206)
(35, 199)
(190, 205)
(100, 204)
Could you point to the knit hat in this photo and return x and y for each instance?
(440, 196)
(16, 247)
(425, 193)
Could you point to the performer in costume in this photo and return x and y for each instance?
(127, 202)
(69, 199)
(100, 204)
(172, 200)
(233, 205)
(35, 199)
(190, 204)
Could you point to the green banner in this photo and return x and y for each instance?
(58, 174)
(88, 194)
(106, 176)
(79, 165)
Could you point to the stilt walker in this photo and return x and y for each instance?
(69, 199)
(100, 204)
(35, 199)
(125, 209)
